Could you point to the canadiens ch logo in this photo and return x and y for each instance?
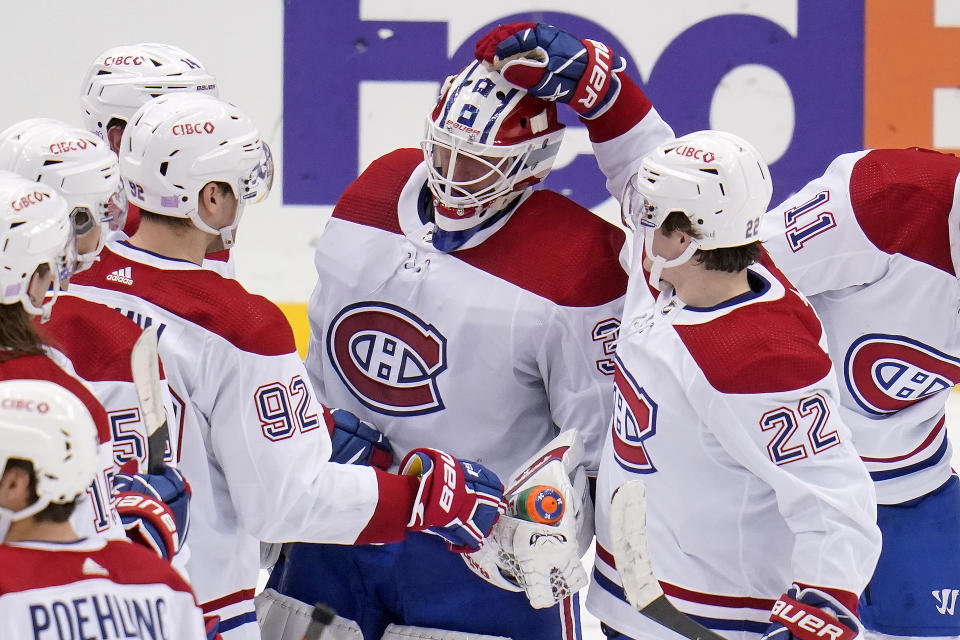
(634, 420)
(388, 358)
(885, 373)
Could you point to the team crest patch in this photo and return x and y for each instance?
(885, 373)
(634, 420)
(388, 358)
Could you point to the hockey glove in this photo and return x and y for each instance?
(810, 614)
(554, 65)
(457, 500)
(154, 509)
(212, 627)
(357, 442)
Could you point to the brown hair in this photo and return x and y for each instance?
(18, 334)
(729, 259)
(53, 512)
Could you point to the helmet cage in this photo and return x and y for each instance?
(509, 168)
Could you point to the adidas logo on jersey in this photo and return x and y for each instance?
(123, 276)
(92, 568)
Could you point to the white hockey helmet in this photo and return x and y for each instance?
(35, 229)
(81, 167)
(717, 180)
(177, 143)
(485, 141)
(46, 425)
(123, 79)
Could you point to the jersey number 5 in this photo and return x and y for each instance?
(784, 422)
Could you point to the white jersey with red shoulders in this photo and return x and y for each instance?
(93, 589)
(95, 514)
(252, 439)
(484, 351)
(98, 341)
(874, 244)
(729, 414)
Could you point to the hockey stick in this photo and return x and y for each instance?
(146, 378)
(628, 522)
(320, 619)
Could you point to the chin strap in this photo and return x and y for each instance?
(660, 263)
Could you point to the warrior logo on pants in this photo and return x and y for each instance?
(388, 358)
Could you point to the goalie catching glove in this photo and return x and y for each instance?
(457, 500)
(811, 614)
(551, 64)
(536, 547)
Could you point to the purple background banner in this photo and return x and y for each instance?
(329, 50)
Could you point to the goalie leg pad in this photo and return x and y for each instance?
(284, 618)
(402, 632)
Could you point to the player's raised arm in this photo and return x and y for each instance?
(589, 77)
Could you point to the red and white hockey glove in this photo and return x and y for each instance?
(810, 614)
(154, 509)
(553, 64)
(457, 500)
(354, 441)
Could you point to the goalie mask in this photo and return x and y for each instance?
(123, 79)
(717, 180)
(485, 142)
(79, 165)
(177, 144)
(46, 425)
(35, 230)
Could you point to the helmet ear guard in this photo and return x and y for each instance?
(505, 139)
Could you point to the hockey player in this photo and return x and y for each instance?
(252, 436)
(95, 339)
(726, 403)
(37, 256)
(873, 244)
(56, 583)
(457, 306)
(121, 80)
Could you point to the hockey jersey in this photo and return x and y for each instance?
(93, 589)
(482, 352)
(874, 244)
(98, 341)
(95, 513)
(729, 414)
(251, 435)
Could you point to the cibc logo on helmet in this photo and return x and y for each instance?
(24, 404)
(388, 358)
(66, 146)
(112, 61)
(27, 199)
(192, 128)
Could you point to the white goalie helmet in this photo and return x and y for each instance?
(717, 180)
(78, 164)
(178, 143)
(123, 79)
(35, 229)
(485, 141)
(46, 425)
